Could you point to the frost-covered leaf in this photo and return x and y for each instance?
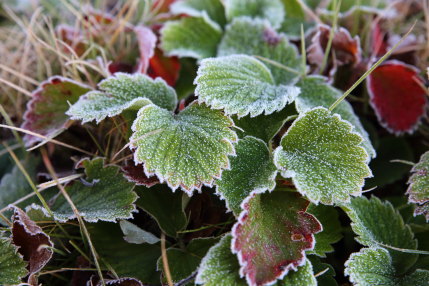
(256, 37)
(331, 233)
(398, 96)
(119, 282)
(252, 170)
(316, 92)
(103, 195)
(272, 10)
(418, 189)
(220, 266)
(12, 266)
(241, 85)
(367, 215)
(134, 234)
(46, 111)
(147, 43)
(33, 244)
(128, 260)
(323, 157)
(121, 92)
(264, 127)
(164, 206)
(184, 262)
(373, 266)
(135, 173)
(214, 8)
(266, 255)
(195, 37)
(188, 149)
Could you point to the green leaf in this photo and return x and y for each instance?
(418, 189)
(303, 276)
(325, 272)
(294, 18)
(121, 92)
(367, 215)
(214, 8)
(134, 234)
(195, 37)
(128, 260)
(220, 266)
(373, 266)
(323, 157)
(189, 149)
(252, 170)
(170, 219)
(241, 85)
(46, 111)
(106, 195)
(272, 10)
(258, 38)
(264, 127)
(331, 233)
(184, 262)
(12, 265)
(316, 92)
(266, 255)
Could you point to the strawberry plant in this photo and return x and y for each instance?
(214, 142)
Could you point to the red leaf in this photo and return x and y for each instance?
(272, 235)
(46, 110)
(147, 43)
(135, 174)
(31, 242)
(345, 48)
(165, 67)
(379, 42)
(397, 95)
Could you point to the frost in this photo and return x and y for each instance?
(252, 170)
(366, 215)
(195, 8)
(323, 157)
(195, 37)
(272, 10)
(241, 85)
(272, 234)
(134, 234)
(120, 92)
(418, 189)
(256, 37)
(373, 266)
(189, 149)
(109, 196)
(46, 111)
(12, 266)
(316, 92)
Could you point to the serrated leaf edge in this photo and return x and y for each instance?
(291, 174)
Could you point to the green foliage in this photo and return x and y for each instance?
(189, 149)
(256, 37)
(324, 157)
(241, 85)
(12, 266)
(214, 8)
(373, 266)
(418, 190)
(121, 92)
(252, 170)
(195, 37)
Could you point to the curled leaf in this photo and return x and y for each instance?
(147, 43)
(46, 111)
(34, 245)
(135, 174)
(398, 96)
(266, 255)
(189, 149)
